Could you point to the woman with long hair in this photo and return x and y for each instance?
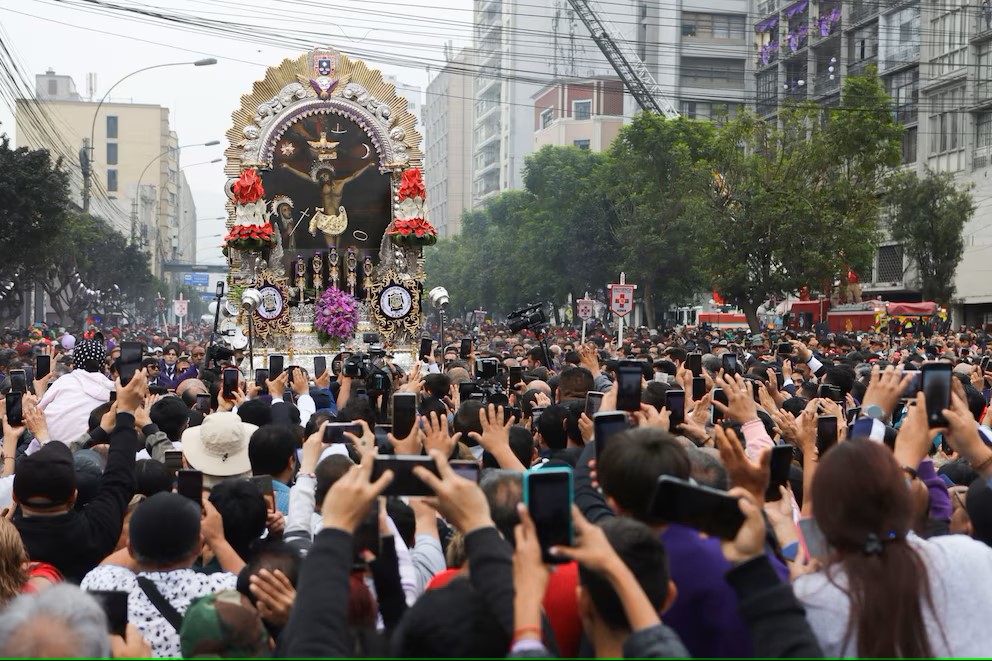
(13, 562)
(883, 591)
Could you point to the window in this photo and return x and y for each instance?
(111, 153)
(948, 34)
(582, 109)
(53, 87)
(983, 130)
(112, 180)
(909, 145)
(983, 87)
(946, 127)
(581, 144)
(890, 264)
(904, 88)
(711, 72)
(111, 126)
(708, 110)
(547, 116)
(712, 26)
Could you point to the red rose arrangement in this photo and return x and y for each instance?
(250, 237)
(413, 232)
(248, 188)
(412, 184)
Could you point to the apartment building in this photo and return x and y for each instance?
(941, 89)
(448, 144)
(136, 184)
(586, 114)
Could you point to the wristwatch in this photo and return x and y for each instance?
(873, 411)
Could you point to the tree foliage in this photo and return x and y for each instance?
(34, 199)
(927, 217)
(795, 200)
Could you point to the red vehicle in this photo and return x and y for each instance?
(870, 316)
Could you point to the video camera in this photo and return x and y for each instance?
(369, 368)
(530, 318)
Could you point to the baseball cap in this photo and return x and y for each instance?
(219, 446)
(223, 624)
(46, 478)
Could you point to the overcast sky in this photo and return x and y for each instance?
(76, 40)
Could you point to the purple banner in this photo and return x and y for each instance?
(796, 8)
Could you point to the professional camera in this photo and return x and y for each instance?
(529, 318)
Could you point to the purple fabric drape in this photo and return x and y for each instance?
(796, 8)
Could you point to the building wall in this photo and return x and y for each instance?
(142, 135)
(184, 236)
(448, 145)
(557, 104)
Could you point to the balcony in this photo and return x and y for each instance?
(767, 54)
(767, 105)
(860, 68)
(900, 57)
(827, 25)
(893, 4)
(767, 7)
(826, 83)
(862, 11)
(983, 23)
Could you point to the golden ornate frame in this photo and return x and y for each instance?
(393, 329)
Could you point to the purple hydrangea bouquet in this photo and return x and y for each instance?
(335, 316)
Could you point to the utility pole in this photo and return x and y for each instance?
(85, 165)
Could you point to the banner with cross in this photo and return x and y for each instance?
(622, 297)
(585, 308)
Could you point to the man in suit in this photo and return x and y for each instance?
(170, 376)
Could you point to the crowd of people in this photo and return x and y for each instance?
(171, 513)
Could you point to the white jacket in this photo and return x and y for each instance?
(70, 400)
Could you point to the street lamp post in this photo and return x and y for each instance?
(88, 170)
(137, 191)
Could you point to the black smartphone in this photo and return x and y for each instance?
(785, 348)
(729, 362)
(114, 605)
(203, 403)
(826, 433)
(831, 392)
(675, 403)
(426, 345)
(594, 400)
(465, 351)
(535, 417)
(465, 390)
(113, 396)
(15, 412)
(852, 414)
(936, 383)
(230, 382)
(404, 413)
(719, 396)
(695, 363)
(707, 510)
(779, 473)
(173, 461)
(629, 375)
(984, 365)
(319, 366)
(366, 537)
(548, 496)
(915, 385)
(334, 432)
(264, 483)
(698, 388)
(189, 483)
(607, 424)
(512, 412)
(42, 366)
(261, 376)
(129, 361)
(18, 381)
(404, 483)
(516, 375)
(275, 366)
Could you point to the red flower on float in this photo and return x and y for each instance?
(248, 188)
(412, 184)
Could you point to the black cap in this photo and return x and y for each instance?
(46, 478)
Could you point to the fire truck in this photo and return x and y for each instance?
(870, 316)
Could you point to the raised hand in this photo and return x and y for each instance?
(743, 472)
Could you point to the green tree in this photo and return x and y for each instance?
(91, 255)
(927, 217)
(654, 179)
(34, 198)
(796, 199)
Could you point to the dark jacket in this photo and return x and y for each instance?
(172, 383)
(76, 542)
